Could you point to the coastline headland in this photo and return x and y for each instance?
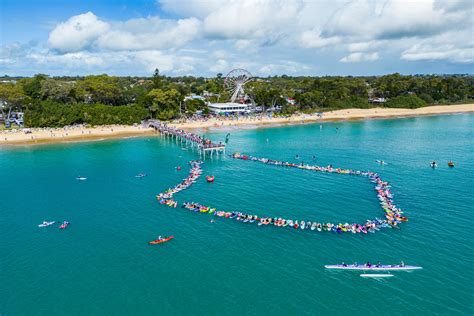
(80, 133)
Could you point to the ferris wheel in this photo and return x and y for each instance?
(234, 83)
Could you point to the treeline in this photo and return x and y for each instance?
(54, 114)
(103, 99)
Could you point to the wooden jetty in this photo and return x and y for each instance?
(204, 145)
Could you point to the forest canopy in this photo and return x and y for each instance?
(104, 99)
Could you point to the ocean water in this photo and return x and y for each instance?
(102, 264)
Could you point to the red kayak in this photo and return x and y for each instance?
(210, 178)
(160, 241)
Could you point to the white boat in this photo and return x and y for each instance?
(46, 224)
(81, 178)
(394, 267)
(376, 275)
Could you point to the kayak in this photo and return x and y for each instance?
(376, 275)
(210, 179)
(81, 178)
(64, 225)
(394, 267)
(160, 241)
(46, 224)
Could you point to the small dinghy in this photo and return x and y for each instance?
(376, 276)
(81, 178)
(140, 175)
(46, 224)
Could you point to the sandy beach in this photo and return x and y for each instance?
(68, 134)
(71, 134)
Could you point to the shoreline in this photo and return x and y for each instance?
(81, 134)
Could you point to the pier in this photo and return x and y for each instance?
(203, 145)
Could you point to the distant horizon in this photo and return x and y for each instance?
(204, 37)
(260, 77)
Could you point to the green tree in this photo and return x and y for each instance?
(158, 80)
(57, 90)
(410, 101)
(164, 104)
(194, 105)
(32, 86)
(100, 89)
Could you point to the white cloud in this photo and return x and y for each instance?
(77, 33)
(313, 39)
(221, 65)
(247, 19)
(88, 31)
(364, 46)
(432, 52)
(359, 57)
(264, 36)
(149, 33)
(387, 19)
(284, 67)
(454, 46)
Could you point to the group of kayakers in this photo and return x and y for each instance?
(167, 196)
(393, 215)
(62, 225)
(369, 227)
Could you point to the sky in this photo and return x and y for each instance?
(265, 37)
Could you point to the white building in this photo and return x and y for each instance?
(194, 97)
(229, 107)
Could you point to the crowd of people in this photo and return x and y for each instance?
(201, 141)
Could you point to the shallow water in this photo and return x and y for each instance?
(102, 264)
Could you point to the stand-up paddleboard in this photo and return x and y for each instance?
(376, 275)
(372, 268)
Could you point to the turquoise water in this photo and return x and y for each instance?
(102, 264)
